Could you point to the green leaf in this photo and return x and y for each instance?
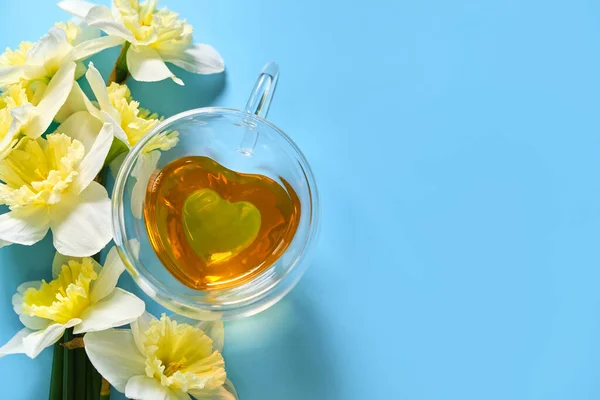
(116, 148)
(120, 73)
(80, 373)
(57, 373)
(68, 385)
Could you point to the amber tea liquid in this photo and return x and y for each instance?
(215, 228)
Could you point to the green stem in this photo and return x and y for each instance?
(96, 387)
(94, 381)
(68, 384)
(57, 373)
(80, 373)
(120, 72)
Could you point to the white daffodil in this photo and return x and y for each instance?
(162, 359)
(154, 36)
(15, 60)
(23, 113)
(37, 64)
(48, 183)
(130, 122)
(82, 295)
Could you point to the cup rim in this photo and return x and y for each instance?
(151, 285)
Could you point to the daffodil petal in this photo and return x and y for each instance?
(21, 116)
(35, 342)
(17, 299)
(54, 97)
(77, 8)
(143, 387)
(108, 277)
(119, 308)
(228, 385)
(215, 331)
(218, 394)
(81, 126)
(15, 345)
(60, 260)
(26, 285)
(53, 44)
(25, 226)
(115, 165)
(81, 225)
(145, 65)
(198, 58)
(115, 355)
(94, 158)
(102, 18)
(93, 46)
(34, 323)
(10, 140)
(117, 130)
(17, 302)
(139, 327)
(99, 88)
(40, 90)
(76, 102)
(143, 169)
(86, 33)
(10, 75)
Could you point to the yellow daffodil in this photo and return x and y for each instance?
(24, 113)
(115, 106)
(37, 64)
(44, 73)
(162, 359)
(82, 295)
(75, 35)
(156, 36)
(48, 183)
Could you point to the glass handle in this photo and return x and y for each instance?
(259, 103)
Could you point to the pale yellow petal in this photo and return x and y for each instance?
(114, 354)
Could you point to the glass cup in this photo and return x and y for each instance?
(243, 141)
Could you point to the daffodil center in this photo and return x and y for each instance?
(14, 96)
(40, 171)
(182, 357)
(151, 26)
(175, 366)
(65, 297)
(135, 121)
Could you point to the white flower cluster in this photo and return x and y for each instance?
(48, 182)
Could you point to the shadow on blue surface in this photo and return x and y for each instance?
(282, 353)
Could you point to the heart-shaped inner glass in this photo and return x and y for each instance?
(217, 229)
(214, 228)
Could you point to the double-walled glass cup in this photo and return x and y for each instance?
(243, 141)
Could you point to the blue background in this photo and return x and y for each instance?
(456, 147)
